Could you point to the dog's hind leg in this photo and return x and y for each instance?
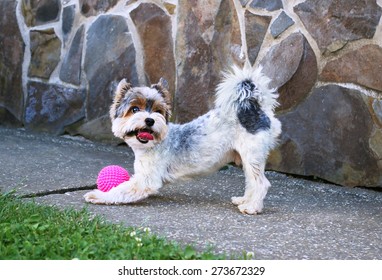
(256, 184)
(256, 188)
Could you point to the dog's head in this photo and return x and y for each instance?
(140, 115)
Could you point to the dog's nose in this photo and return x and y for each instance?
(149, 121)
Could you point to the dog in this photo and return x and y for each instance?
(240, 129)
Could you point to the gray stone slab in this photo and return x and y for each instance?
(281, 23)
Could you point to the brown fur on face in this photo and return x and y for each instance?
(126, 97)
(140, 102)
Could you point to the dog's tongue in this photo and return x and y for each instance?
(145, 136)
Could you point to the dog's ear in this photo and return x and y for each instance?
(163, 83)
(120, 92)
(162, 88)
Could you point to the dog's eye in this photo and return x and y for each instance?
(135, 109)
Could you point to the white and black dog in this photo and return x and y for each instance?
(241, 128)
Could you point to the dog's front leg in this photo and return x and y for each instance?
(127, 192)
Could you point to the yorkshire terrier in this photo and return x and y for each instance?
(241, 129)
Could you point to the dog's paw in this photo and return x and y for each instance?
(95, 197)
(134, 194)
(247, 206)
(250, 208)
(123, 194)
(238, 200)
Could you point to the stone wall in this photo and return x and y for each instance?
(61, 60)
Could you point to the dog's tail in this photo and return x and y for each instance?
(241, 86)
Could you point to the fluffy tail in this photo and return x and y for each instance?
(240, 86)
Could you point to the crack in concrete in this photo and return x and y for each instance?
(61, 191)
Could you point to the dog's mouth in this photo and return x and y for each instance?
(142, 135)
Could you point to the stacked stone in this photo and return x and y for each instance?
(61, 60)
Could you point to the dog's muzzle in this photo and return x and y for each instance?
(143, 135)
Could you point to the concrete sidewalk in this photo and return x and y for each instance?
(302, 219)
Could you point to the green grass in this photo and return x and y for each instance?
(29, 231)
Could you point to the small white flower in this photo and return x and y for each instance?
(250, 255)
(140, 244)
(133, 233)
(147, 230)
(138, 239)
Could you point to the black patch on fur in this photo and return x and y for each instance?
(252, 118)
(247, 85)
(184, 139)
(149, 105)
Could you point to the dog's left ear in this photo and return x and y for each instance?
(162, 88)
(163, 83)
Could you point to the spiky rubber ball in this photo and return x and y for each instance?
(111, 176)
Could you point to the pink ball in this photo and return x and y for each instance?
(111, 176)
